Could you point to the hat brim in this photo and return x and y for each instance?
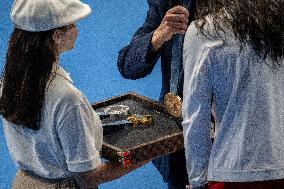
(71, 14)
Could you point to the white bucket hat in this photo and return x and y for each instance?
(43, 15)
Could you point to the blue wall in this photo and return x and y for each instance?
(92, 64)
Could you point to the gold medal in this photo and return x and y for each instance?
(173, 104)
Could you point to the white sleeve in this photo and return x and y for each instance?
(81, 135)
(197, 96)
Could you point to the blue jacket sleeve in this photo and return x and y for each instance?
(133, 62)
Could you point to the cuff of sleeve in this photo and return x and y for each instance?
(142, 45)
(158, 52)
(82, 166)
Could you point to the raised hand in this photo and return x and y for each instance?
(174, 22)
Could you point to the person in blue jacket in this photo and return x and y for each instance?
(154, 40)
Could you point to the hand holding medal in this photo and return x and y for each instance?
(172, 102)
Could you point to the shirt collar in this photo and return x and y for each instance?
(61, 72)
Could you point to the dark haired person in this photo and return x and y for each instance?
(234, 52)
(153, 40)
(52, 132)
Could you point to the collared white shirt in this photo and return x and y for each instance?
(69, 139)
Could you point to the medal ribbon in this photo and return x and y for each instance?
(176, 63)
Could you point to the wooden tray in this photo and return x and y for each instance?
(140, 143)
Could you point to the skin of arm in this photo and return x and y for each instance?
(105, 172)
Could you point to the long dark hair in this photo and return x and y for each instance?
(29, 62)
(260, 23)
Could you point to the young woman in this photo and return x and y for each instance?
(52, 132)
(233, 54)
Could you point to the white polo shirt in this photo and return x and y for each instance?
(69, 139)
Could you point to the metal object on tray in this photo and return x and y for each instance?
(114, 111)
(115, 126)
(133, 120)
(126, 144)
(138, 119)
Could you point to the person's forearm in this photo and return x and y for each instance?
(136, 60)
(153, 51)
(104, 173)
(110, 172)
(157, 40)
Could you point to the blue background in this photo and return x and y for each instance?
(92, 64)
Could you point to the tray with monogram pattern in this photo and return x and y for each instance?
(135, 144)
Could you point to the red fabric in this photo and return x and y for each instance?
(216, 185)
(270, 184)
